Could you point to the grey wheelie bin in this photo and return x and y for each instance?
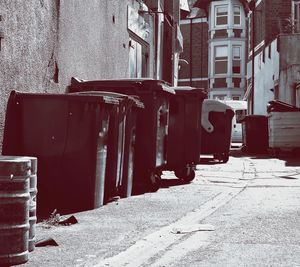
(184, 138)
(121, 144)
(216, 124)
(69, 136)
(152, 124)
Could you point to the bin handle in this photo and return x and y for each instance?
(205, 121)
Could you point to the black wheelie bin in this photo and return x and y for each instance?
(69, 136)
(152, 124)
(184, 138)
(255, 134)
(121, 144)
(216, 124)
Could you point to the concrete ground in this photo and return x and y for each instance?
(242, 213)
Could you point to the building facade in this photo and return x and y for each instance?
(218, 45)
(45, 43)
(227, 50)
(274, 38)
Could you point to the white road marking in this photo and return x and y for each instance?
(193, 243)
(143, 250)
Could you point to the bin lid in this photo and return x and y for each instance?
(137, 85)
(279, 106)
(215, 105)
(135, 99)
(211, 105)
(188, 90)
(74, 97)
(235, 104)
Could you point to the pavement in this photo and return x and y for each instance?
(242, 213)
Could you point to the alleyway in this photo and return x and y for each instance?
(243, 213)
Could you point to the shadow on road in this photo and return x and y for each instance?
(290, 158)
(165, 183)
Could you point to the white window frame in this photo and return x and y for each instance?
(216, 15)
(219, 60)
(240, 15)
(239, 58)
(138, 65)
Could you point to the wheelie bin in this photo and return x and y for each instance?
(216, 124)
(255, 134)
(184, 138)
(69, 136)
(121, 144)
(152, 124)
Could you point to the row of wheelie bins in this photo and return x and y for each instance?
(104, 139)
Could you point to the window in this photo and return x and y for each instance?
(221, 59)
(220, 97)
(236, 59)
(138, 59)
(236, 15)
(236, 97)
(296, 14)
(221, 15)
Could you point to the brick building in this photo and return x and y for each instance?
(194, 58)
(276, 62)
(215, 45)
(45, 43)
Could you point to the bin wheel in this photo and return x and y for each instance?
(186, 174)
(225, 157)
(155, 182)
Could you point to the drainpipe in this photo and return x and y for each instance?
(191, 52)
(252, 7)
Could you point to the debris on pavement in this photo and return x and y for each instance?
(46, 242)
(192, 228)
(56, 219)
(68, 221)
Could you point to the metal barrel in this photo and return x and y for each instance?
(32, 203)
(14, 209)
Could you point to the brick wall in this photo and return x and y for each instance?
(197, 54)
(270, 19)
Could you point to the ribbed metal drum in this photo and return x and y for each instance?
(14, 209)
(32, 203)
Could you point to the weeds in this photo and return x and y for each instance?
(53, 220)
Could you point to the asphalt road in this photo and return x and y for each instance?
(243, 213)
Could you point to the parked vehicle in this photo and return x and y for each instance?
(240, 111)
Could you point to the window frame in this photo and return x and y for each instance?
(234, 16)
(237, 59)
(220, 60)
(216, 7)
(296, 16)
